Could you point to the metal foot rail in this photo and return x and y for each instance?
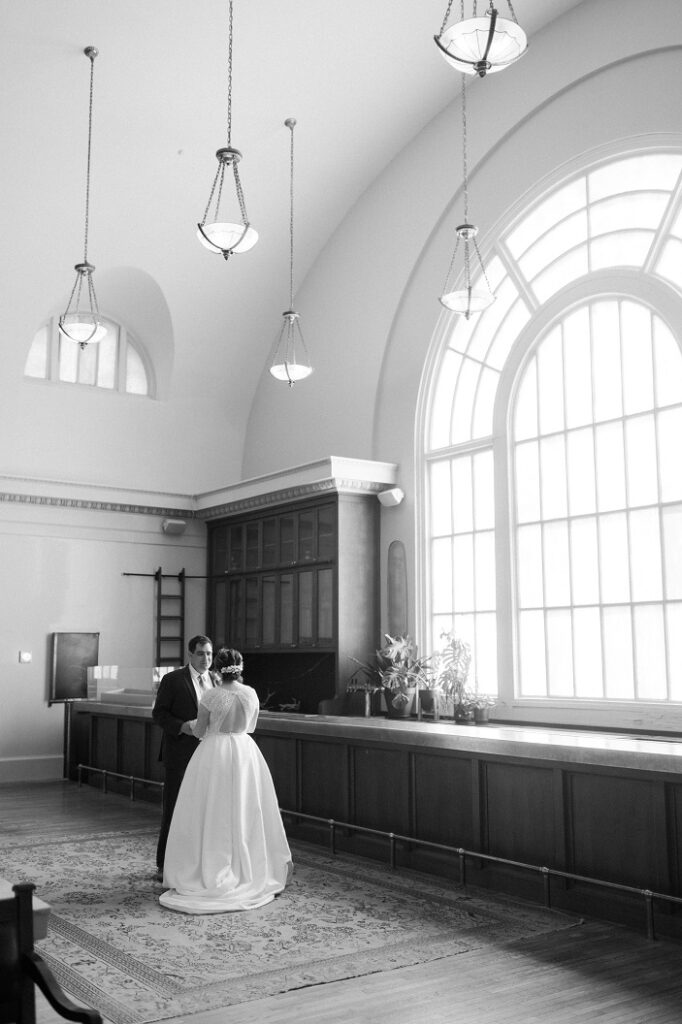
(105, 773)
(648, 895)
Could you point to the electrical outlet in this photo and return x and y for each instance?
(25, 657)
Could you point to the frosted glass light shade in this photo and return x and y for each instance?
(290, 371)
(225, 237)
(464, 45)
(468, 300)
(83, 328)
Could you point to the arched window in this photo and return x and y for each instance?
(116, 363)
(553, 485)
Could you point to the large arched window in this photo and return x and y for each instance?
(115, 364)
(553, 487)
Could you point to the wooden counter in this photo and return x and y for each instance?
(600, 805)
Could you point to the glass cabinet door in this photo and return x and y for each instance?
(269, 543)
(220, 625)
(252, 560)
(326, 533)
(252, 630)
(306, 625)
(219, 550)
(235, 636)
(287, 539)
(306, 535)
(286, 609)
(325, 606)
(236, 552)
(269, 611)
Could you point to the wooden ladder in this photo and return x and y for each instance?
(170, 618)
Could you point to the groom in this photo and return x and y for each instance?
(175, 710)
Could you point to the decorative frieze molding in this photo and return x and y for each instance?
(282, 497)
(96, 506)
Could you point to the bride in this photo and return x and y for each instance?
(227, 849)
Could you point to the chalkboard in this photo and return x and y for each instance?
(72, 655)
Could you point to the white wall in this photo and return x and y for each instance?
(61, 570)
(370, 306)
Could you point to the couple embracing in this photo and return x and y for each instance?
(222, 845)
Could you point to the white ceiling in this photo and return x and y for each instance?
(362, 78)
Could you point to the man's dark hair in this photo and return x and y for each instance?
(196, 640)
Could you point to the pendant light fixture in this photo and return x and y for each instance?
(291, 362)
(223, 236)
(467, 299)
(82, 323)
(481, 46)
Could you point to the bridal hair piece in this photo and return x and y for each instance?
(229, 662)
(232, 670)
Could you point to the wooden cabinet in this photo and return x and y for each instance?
(301, 579)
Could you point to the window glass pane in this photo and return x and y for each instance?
(136, 375)
(464, 400)
(532, 671)
(550, 383)
(672, 544)
(529, 567)
(667, 364)
(669, 265)
(582, 486)
(553, 477)
(106, 358)
(463, 573)
(485, 401)
(36, 361)
(485, 654)
(621, 249)
(439, 498)
(87, 365)
(527, 482)
(484, 491)
(638, 368)
(650, 171)
(441, 576)
(462, 512)
(508, 334)
(669, 434)
(638, 210)
(640, 447)
(566, 235)
(526, 406)
(650, 653)
(610, 466)
(587, 653)
(584, 561)
(560, 654)
(619, 679)
(484, 561)
(505, 296)
(556, 564)
(645, 556)
(615, 563)
(569, 268)
(560, 204)
(674, 624)
(606, 360)
(68, 360)
(441, 409)
(578, 368)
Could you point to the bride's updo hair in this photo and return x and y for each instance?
(229, 665)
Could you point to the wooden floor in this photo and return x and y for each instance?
(595, 972)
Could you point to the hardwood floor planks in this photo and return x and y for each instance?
(594, 972)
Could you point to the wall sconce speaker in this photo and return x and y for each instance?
(392, 497)
(174, 526)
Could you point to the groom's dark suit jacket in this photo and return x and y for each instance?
(175, 703)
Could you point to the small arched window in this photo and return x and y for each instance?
(115, 364)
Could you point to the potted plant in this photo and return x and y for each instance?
(481, 704)
(452, 664)
(400, 673)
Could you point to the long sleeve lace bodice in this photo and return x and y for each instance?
(227, 709)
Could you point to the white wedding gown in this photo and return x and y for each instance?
(227, 849)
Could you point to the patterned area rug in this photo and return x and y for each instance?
(112, 946)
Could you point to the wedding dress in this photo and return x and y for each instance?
(227, 849)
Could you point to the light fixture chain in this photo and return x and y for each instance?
(447, 17)
(87, 173)
(291, 221)
(240, 193)
(480, 260)
(210, 198)
(229, 78)
(464, 149)
(513, 12)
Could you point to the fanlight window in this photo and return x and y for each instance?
(115, 363)
(571, 581)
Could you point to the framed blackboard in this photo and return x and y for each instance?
(72, 655)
